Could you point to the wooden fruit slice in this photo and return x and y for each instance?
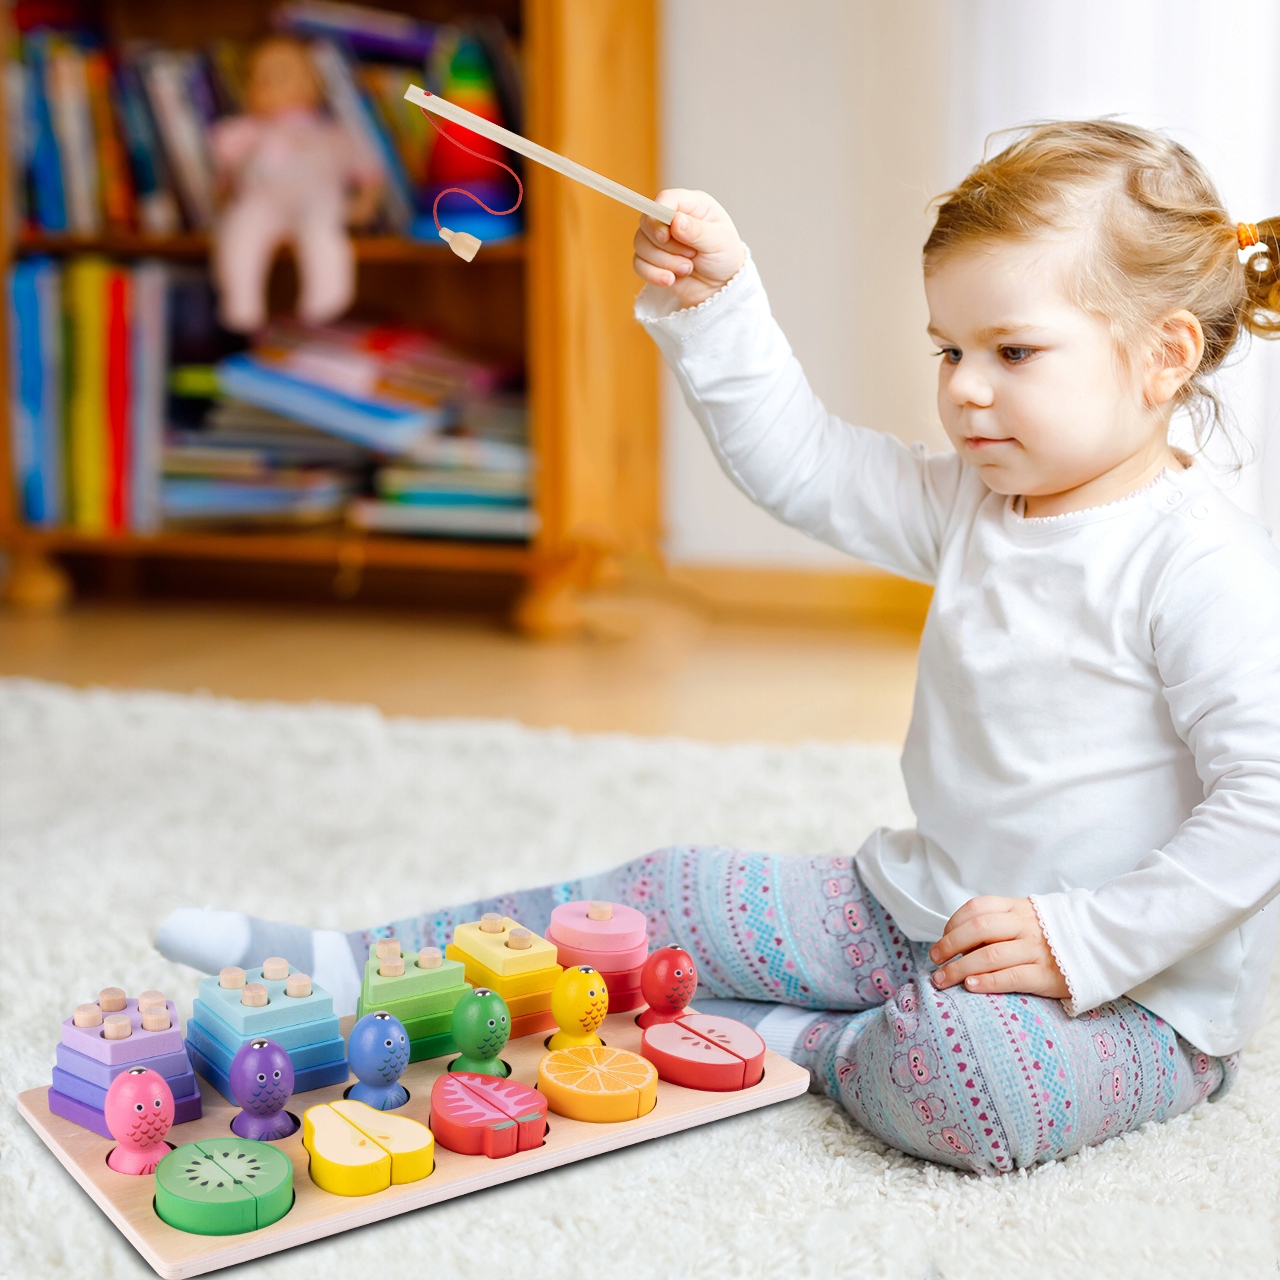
(483, 1115)
(734, 1037)
(598, 1084)
(194, 1193)
(262, 1169)
(344, 1161)
(704, 1052)
(409, 1144)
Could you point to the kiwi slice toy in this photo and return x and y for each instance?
(224, 1186)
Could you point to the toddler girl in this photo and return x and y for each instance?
(1076, 936)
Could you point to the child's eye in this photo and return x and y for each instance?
(951, 355)
(1017, 355)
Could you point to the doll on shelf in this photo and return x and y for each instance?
(286, 171)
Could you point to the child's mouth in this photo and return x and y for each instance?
(982, 442)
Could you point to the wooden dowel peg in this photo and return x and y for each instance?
(520, 939)
(231, 978)
(254, 995)
(430, 958)
(600, 911)
(117, 1026)
(491, 922)
(386, 947)
(298, 985)
(87, 1015)
(155, 1017)
(275, 969)
(148, 998)
(111, 999)
(391, 967)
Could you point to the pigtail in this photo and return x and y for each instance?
(1261, 312)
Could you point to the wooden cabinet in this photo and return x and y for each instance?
(559, 299)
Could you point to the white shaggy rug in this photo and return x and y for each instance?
(114, 808)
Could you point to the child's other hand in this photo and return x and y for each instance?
(995, 945)
(697, 255)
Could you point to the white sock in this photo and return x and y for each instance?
(205, 939)
(780, 1028)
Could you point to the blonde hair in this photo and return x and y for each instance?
(1158, 239)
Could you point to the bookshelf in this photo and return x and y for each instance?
(558, 298)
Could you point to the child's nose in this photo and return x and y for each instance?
(968, 386)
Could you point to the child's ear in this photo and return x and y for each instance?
(1175, 357)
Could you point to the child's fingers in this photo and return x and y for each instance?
(658, 233)
(651, 274)
(999, 955)
(971, 933)
(656, 257)
(1025, 978)
(985, 905)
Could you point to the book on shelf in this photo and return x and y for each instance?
(379, 516)
(118, 138)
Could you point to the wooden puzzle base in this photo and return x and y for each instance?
(127, 1201)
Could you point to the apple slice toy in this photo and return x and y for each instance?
(699, 1051)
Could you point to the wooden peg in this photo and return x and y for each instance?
(520, 939)
(87, 1015)
(155, 1017)
(298, 985)
(117, 1026)
(275, 969)
(491, 922)
(231, 978)
(463, 243)
(254, 995)
(110, 999)
(430, 958)
(151, 997)
(600, 911)
(385, 948)
(391, 967)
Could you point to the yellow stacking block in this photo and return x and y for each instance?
(490, 950)
(509, 986)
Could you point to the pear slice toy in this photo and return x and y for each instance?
(465, 245)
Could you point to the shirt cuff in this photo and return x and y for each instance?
(658, 308)
(1085, 985)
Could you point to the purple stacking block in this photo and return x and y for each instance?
(141, 1043)
(73, 1086)
(88, 1117)
(103, 1073)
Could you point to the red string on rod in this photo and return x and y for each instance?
(462, 191)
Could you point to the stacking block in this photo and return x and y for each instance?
(598, 926)
(508, 986)
(320, 1054)
(418, 1006)
(74, 1086)
(432, 1047)
(137, 1045)
(90, 1117)
(608, 962)
(279, 1011)
(491, 950)
(434, 1024)
(532, 1023)
(414, 981)
(102, 1074)
(318, 1077)
(300, 1035)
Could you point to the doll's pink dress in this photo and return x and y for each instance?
(290, 174)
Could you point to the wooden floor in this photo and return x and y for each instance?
(646, 666)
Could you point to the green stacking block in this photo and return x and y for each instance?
(431, 1047)
(417, 1006)
(375, 989)
(434, 1024)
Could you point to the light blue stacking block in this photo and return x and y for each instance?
(279, 1012)
(297, 1036)
(311, 1055)
(305, 1080)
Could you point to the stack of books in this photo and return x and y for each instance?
(117, 140)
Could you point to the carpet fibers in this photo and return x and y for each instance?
(114, 808)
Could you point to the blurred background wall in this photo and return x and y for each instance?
(825, 126)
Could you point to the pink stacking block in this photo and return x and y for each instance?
(606, 961)
(141, 1044)
(625, 932)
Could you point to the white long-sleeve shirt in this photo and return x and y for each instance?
(1097, 714)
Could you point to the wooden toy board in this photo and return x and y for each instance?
(315, 1213)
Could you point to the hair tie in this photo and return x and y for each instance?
(1247, 234)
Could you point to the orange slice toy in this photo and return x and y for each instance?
(598, 1084)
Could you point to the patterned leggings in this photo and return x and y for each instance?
(986, 1083)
